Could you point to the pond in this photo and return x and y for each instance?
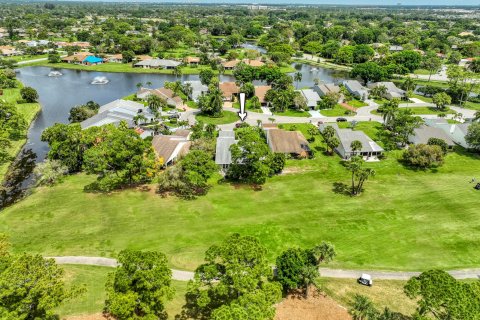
(59, 94)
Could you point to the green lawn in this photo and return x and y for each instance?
(28, 57)
(337, 111)
(227, 117)
(293, 113)
(357, 103)
(405, 220)
(29, 111)
(248, 106)
(92, 301)
(384, 293)
(120, 67)
(423, 110)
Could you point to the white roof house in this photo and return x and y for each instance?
(158, 63)
(393, 92)
(326, 88)
(424, 133)
(356, 89)
(456, 131)
(198, 89)
(115, 112)
(311, 97)
(223, 156)
(370, 149)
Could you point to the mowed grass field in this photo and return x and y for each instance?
(92, 301)
(405, 219)
(29, 111)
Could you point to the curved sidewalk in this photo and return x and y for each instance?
(324, 272)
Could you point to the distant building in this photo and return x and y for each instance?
(396, 48)
(158, 64)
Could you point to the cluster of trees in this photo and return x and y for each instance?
(31, 287)
(83, 112)
(252, 160)
(7, 79)
(117, 155)
(12, 127)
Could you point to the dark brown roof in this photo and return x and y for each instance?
(261, 91)
(288, 142)
(229, 88)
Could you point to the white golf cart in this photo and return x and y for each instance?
(365, 279)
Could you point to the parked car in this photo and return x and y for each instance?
(341, 120)
(365, 279)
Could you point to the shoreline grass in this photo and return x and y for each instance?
(30, 112)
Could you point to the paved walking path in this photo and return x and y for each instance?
(324, 272)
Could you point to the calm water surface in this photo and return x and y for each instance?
(59, 94)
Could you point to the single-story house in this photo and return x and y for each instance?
(163, 93)
(117, 111)
(393, 92)
(253, 62)
(192, 61)
(370, 149)
(158, 64)
(223, 155)
(324, 89)
(422, 134)
(92, 60)
(287, 142)
(356, 89)
(169, 148)
(456, 131)
(260, 92)
(198, 89)
(230, 65)
(115, 58)
(311, 97)
(396, 48)
(8, 51)
(229, 90)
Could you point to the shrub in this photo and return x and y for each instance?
(423, 156)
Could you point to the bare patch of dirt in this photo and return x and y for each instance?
(316, 307)
(95, 316)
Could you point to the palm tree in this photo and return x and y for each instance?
(216, 102)
(389, 111)
(139, 118)
(297, 77)
(362, 308)
(255, 102)
(325, 252)
(139, 85)
(187, 89)
(177, 72)
(155, 102)
(309, 276)
(355, 146)
(149, 83)
(176, 88)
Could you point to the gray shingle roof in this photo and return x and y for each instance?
(422, 134)
(225, 140)
(158, 63)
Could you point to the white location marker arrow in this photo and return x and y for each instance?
(242, 114)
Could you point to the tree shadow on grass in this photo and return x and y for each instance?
(239, 185)
(341, 188)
